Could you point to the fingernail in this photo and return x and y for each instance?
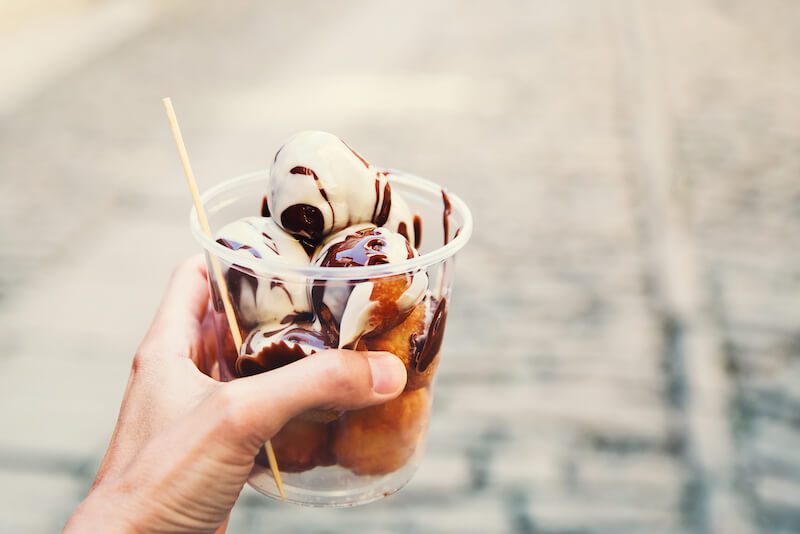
(387, 374)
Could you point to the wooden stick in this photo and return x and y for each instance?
(223, 286)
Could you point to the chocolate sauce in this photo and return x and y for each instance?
(428, 344)
(237, 282)
(417, 231)
(377, 198)
(304, 220)
(278, 152)
(234, 245)
(298, 317)
(269, 358)
(265, 207)
(248, 348)
(356, 154)
(364, 247)
(326, 319)
(386, 206)
(284, 352)
(278, 283)
(446, 216)
(216, 298)
(308, 172)
(270, 243)
(318, 340)
(309, 246)
(402, 229)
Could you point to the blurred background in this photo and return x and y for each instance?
(623, 349)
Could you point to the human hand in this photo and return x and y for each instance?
(184, 444)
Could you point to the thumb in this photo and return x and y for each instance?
(339, 379)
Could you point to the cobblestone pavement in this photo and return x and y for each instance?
(623, 352)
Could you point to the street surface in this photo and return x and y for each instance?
(623, 346)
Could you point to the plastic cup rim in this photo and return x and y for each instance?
(267, 266)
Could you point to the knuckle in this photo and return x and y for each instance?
(143, 361)
(341, 375)
(228, 409)
(185, 266)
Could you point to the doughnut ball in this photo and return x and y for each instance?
(318, 185)
(380, 439)
(416, 341)
(301, 445)
(261, 297)
(270, 347)
(352, 309)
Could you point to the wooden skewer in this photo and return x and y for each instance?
(223, 287)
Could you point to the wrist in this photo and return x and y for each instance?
(101, 511)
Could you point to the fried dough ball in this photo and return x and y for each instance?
(352, 310)
(380, 439)
(270, 347)
(401, 341)
(301, 445)
(417, 341)
(319, 415)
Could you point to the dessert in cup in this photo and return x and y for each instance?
(327, 251)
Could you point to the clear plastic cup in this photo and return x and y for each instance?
(328, 458)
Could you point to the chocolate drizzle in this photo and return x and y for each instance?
(322, 311)
(248, 347)
(402, 229)
(309, 338)
(364, 247)
(446, 216)
(303, 220)
(308, 172)
(356, 154)
(386, 205)
(265, 207)
(238, 281)
(377, 198)
(298, 317)
(270, 243)
(427, 345)
(309, 246)
(417, 231)
(278, 283)
(216, 298)
(235, 245)
(287, 350)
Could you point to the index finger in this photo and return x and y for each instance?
(177, 325)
